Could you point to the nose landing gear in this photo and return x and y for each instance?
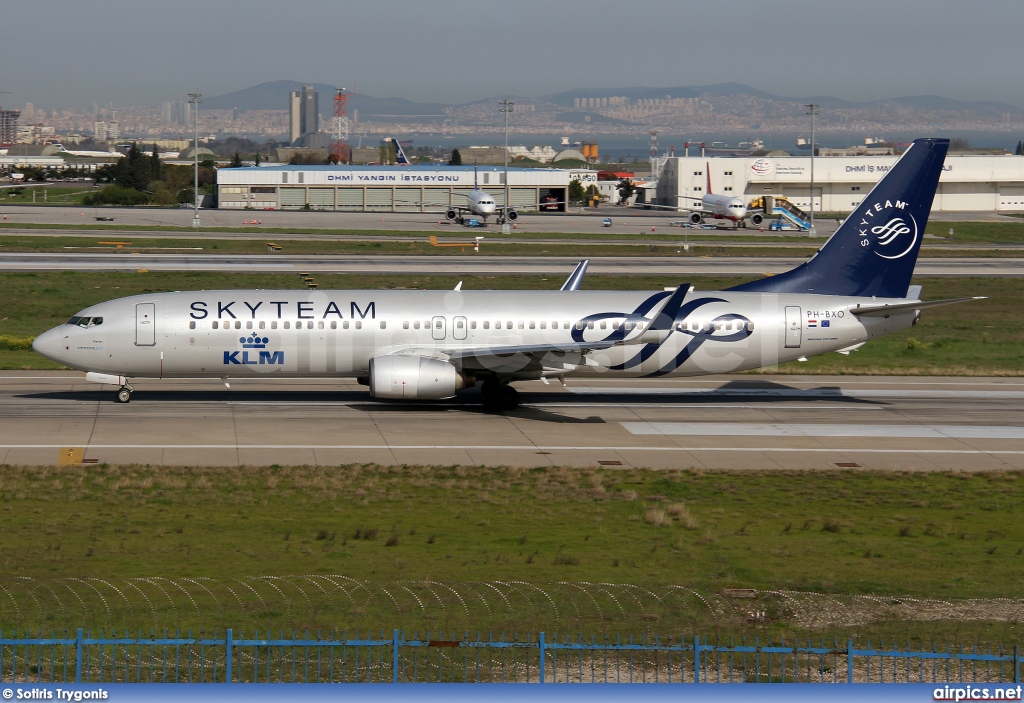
(124, 395)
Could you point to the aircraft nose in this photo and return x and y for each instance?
(49, 344)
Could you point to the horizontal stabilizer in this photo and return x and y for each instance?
(883, 310)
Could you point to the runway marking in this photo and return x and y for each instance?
(823, 430)
(530, 448)
(802, 392)
(354, 403)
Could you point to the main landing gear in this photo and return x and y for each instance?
(499, 396)
(124, 395)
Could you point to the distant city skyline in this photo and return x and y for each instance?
(66, 55)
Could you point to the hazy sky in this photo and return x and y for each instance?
(63, 53)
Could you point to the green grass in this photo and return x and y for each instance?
(930, 535)
(977, 338)
(54, 195)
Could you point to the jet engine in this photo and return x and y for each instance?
(511, 215)
(451, 215)
(409, 377)
(757, 218)
(696, 218)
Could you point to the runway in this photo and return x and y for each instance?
(472, 265)
(733, 422)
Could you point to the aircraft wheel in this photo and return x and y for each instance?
(124, 396)
(508, 398)
(498, 396)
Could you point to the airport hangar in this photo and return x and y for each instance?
(389, 188)
(967, 183)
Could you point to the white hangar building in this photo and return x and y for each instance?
(388, 188)
(967, 183)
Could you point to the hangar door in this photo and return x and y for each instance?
(145, 324)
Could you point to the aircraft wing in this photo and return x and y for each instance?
(886, 310)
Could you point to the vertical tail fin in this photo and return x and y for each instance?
(400, 158)
(875, 249)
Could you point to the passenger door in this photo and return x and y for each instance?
(145, 324)
(438, 328)
(794, 327)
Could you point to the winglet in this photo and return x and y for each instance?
(575, 279)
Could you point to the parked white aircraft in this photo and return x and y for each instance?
(714, 206)
(94, 154)
(480, 204)
(423, 345)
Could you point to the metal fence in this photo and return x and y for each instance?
(446, 657)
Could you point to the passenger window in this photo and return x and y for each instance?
(344, 325)
(416, 325)
(628, 325)
(309, 325)
(359, 324)
(263, 324)
(472, 325)
(750, 327)
(565, 325)
(192, 325)
(383, 324)
(718, 326)
(520, 325)
(459, 324)
(497, 325)
(543, 325)
(320, 325)
(273, 324)
(248, 324)
(334, 324)
(728, 326)
(214, 324)
(590, 325)
(509, 326)
(287, 325)
(438, 324)
(604, 325)
(487, 324)
(579, 325)
(405, 325)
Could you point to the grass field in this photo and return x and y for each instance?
(45, 195)
(945, 536)
(563, 226)
(978, 338)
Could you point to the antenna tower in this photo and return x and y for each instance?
(341, 152)
(654, 146)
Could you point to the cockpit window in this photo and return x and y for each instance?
(85, 321)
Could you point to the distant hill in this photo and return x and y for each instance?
(273, 95)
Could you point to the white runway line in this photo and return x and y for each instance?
(799, 392)
(530, 448)
(716, 429)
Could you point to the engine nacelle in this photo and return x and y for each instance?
(757, 218)
(696, 218)
(408, 377)
(451, 215)
(511, 215)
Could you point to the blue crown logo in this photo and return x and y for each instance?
(254, 342)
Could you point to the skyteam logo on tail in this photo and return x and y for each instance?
(892, 228)
(255, 342)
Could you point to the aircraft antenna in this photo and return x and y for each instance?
(341, 152)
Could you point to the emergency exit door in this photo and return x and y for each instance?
(794, 326)
(145, 324)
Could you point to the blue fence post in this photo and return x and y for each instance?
(696, 659)
(78, 657)
(394, 659)
(1016, 663)
(541, 657)
(849, 661)
(227, 658)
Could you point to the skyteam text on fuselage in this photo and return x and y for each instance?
(427, 345)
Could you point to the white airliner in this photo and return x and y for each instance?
(93, 154)
(480, 204)
(714, 206)
(426, 345)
